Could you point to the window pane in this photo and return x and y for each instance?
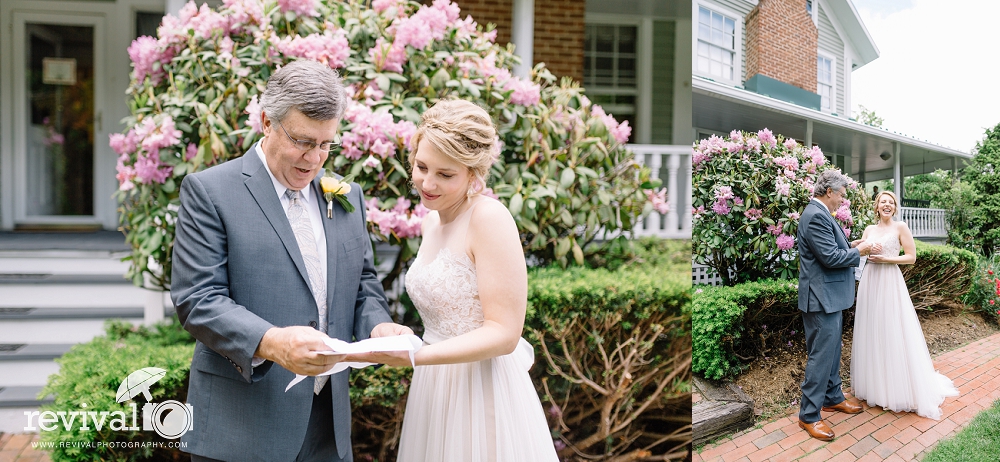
(606, 38)
(716, 21)
(716, 69)
(626, 39)
(703, 64)
(605, 66)
(730, 27)
(704, 16)
(704, 32)
(717, 38)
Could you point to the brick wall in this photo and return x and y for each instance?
(559, 33)
(559, 30)
(781, 43)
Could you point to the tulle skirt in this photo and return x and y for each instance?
(890, 364)
(487, 411)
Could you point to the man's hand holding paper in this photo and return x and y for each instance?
(355, 354)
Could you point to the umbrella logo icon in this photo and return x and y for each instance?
(170, 419)
(139, 382)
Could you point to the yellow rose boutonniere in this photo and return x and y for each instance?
(336, 189)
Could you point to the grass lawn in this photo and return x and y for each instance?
(979, 441)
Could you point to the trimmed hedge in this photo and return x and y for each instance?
(734, 325)
(641, 307)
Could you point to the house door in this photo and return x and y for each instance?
(57, 85)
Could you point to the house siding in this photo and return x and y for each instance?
(662, 110)
(831, 44)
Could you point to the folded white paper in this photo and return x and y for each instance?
(409, 343)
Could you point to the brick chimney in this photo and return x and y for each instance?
(781, 43)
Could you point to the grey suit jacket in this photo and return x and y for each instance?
(826, 280)
(237, 272)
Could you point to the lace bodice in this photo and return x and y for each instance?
(446, 294)
(890, 244)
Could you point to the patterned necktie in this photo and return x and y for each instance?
(298, 217)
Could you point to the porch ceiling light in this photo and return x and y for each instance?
(885, 155)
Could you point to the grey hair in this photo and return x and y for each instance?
(830, 179)
(312, 88)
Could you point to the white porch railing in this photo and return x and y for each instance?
(926, 223)
(675, 162)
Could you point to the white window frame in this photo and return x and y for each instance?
(833, 80)
(643, 70)
(737, 38)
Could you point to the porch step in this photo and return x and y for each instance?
(22, 396)
(31, 332)
(32, 373)
(93, 295)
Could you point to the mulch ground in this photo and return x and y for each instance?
(773, 381)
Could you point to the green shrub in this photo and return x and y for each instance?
(984, 296)
(734, 325)
(648, 251)
(92, 372)
(725, 322)
(940, 273)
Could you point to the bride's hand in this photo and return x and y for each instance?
(876, 258)
(389, 329)
(390, 358)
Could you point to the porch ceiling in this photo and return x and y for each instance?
(723, 108)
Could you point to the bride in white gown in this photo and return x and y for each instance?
(471, 398)
(890, 364)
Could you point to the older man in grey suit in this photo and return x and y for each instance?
(261, 276)
(826, 287)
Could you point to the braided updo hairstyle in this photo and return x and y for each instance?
(464, 132)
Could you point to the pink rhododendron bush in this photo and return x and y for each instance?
(749, 191)
(563, 169)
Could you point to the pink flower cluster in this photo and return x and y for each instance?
(785, 242)
(299, 7)
(620, 132)
(374, 132)
(145, 52)
(398, 221)
(767, 138)
(843, 213)
(659, 200)
(429, 23)
(722, 197)
(790, 144)
(253, 108)
(774, 229)
(528, 93)
(753, 214)
(330, 47)
(145, 140)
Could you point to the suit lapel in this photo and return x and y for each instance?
(262, 189)
(332, 247)
(837, 232)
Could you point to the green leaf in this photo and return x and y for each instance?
(516, 202)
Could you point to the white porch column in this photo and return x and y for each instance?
(897, 173)
(808, 142)
(174, 7)
(522, 35)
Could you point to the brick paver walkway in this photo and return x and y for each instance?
(876, 434)
(18, 448)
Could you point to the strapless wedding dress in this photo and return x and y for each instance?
(890, 364)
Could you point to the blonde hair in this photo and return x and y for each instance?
(895, 202)
(464, 132)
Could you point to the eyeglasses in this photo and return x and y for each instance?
(308, 145)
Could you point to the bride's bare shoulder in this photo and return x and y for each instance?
(491, 216)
